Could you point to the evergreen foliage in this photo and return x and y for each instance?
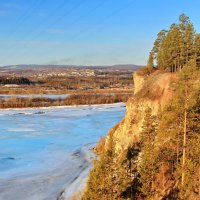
(112, 177)
(176, 47)
(148, 166)
(165, 162)
(150, 64)
(14, 80)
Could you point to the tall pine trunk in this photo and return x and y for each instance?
(184, 135)
(184, 147)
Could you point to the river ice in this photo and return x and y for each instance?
(44, 151)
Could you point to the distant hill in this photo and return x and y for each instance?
(62, 70)
(35, 67)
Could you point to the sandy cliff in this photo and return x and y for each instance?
(150, 91)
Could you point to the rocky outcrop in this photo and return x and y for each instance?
(150, 91)
(138, 82)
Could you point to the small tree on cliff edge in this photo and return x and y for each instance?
(150, 64)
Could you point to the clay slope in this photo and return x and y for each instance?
(150, 91)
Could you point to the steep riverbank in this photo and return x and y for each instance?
(150, 92)
(153, 153)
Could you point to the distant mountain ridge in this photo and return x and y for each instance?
(30, 67)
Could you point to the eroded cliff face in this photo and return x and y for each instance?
(138, 82)
(150, 91)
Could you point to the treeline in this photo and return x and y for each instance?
(74, 83)
(81, 99)
(177, 47)
(14, 80)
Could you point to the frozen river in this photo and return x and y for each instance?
(45, 151)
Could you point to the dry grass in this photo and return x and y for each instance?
(81, 99)
(45, 90)
(145, 71)
(100, 146)
(155, 85)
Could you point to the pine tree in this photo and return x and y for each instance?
(175, 38)
(131, 176)
(170, 49)
(174, 49)
(150, 64)
(100, 182)
(158, 42)
(197, 51)
(148, 166)
(187, 39)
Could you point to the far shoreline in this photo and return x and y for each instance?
(123, 104)
(60, 107)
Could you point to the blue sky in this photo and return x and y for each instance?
(86, 32)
